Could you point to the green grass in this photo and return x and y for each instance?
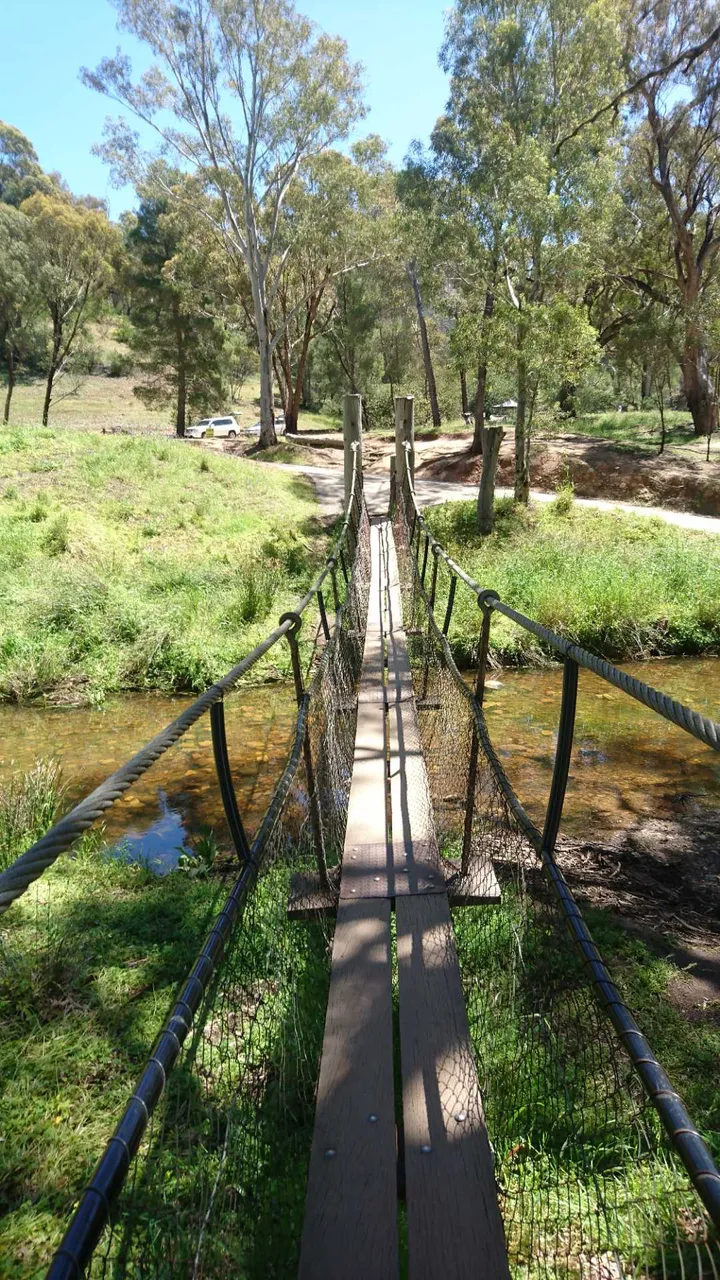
(134, 563)
(624, 586)
(581, 1162)
(313, 422)
(90, 961)
(637, 431)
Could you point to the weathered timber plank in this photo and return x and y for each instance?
(399, 674)
(350, 1230)
(367, 858)
(454, 1224)
(416, 858)
(480, 885)
(308, 900)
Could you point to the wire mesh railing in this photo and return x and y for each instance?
(213, 1143)
(600, 1170)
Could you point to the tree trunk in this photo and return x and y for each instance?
(48, 393)
(522, 450)
(52, 370)
(10, 384)
(463, 392)
(478, 437)
(486, 494)
(181, 370)
(645, 384)
(699, 391)
(481, 388)
(427, 358)
(267, 408)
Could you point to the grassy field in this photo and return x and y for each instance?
(623, 586)
(140, 563)
(101, 401)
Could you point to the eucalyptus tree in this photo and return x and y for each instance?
(337, 216)
(671, 54)
(421, 234)
(175, 306)
(20, 172)
(521, 75)
(73, 250)
(18, 296)
(242, 93)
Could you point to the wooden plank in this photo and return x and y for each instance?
(480, 885)
(417, 863)
(367, 857)
(399, 674)
(307, 900)
(454, 1224)
(350, 1230)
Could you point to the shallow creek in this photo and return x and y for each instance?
(627, 763)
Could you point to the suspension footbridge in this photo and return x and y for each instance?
(399, 1051)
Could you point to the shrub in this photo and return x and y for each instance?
(29, 804)
(120, 365)
(57, 538)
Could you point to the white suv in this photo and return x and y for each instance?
(213, 427)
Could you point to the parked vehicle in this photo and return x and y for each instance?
(279, 425)
(218, 427)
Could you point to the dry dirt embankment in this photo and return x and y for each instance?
(597, 469)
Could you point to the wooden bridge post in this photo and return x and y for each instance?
(352, 432)
(404, 434)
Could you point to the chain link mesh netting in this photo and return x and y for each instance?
(219, 1181)
(588, 1182)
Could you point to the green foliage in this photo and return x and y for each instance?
(126, 566)
(29, 804)
(623, 586)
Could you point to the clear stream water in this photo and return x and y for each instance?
(627, 762)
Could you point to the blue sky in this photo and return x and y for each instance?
(45, 42)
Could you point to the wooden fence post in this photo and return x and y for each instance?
(352, 419)
(404, 433)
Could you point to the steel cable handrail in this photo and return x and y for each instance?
(45, 851)
(684, 1137)
(693, 722)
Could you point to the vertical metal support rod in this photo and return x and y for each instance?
(425, 558)
(343, 566)
(323, 615)
(333, 576)
(561, 767)
(412, 531)
(450, 603)
(307, 756)
(474, 747)
(227, 789)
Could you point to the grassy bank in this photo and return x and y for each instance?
(134, 563)
(90, 961)
(624, 586)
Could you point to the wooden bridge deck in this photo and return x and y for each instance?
(429, 1145)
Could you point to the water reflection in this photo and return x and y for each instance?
(627, 762)
(178, 798)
